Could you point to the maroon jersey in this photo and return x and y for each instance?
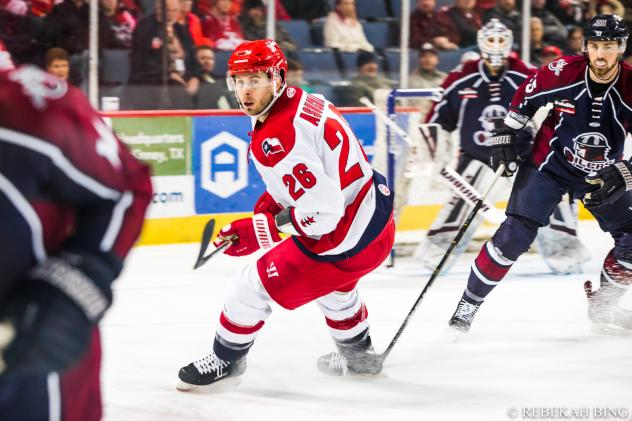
(65, 179)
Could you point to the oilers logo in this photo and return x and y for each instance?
(590, 152)
(491, 118)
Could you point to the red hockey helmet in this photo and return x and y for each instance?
(262, 55)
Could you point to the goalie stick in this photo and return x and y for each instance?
(437, 270)
(207, 234)
(468, 193)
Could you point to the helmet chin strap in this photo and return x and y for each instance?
(275, 96)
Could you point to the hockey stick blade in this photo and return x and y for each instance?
(207, 234)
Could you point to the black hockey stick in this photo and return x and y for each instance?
(437, 270)
(207, 234)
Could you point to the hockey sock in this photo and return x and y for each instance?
(487, 271)
(233, 341)
(616, 277)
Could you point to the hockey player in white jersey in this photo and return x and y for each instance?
(322, 191)
(475, 100)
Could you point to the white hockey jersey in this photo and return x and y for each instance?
(311, 162)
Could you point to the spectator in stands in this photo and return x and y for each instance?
(222, 27)
(343, 30)
(146, 70)
(482, 6)
(424, 27)
(574, 41)
(308, 10)
(537, 40)
(57, 63)
(189, 20)
(115, 25)
(204, 8)
(463, 22)
(610, 7)
(548, 54)
(426, 74)
(554, 31)
(368, 78)
(254, 26)
(67, 26)
(206, 91)
(570, 12)
(506, 12)
(21, 35)
(295, 76)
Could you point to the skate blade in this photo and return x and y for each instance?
(609, 329)
(224, 384)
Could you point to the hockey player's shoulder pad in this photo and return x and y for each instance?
(516, 65)
(277, 136)
(459, 74)
(562, 72)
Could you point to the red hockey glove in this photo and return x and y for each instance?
(248, 235)
(267, 204)
(611, 183)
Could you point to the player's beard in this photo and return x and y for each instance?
(602, 73)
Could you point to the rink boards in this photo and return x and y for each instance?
(200, 168)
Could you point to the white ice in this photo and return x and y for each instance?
(530, 347)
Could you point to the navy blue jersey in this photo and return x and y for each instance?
(583, 132)
(475, 103)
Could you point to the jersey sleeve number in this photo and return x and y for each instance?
(334, 135)
(305, 178)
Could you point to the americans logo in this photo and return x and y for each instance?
(271, 145)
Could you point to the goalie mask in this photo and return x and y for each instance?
(494, 42)
(260, 56)
(606, 28)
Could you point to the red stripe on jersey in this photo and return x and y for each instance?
(541, 148)
(351, 322)
(332, 239)
(489, 268)
(238, 329)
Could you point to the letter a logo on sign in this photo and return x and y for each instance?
(224, 164)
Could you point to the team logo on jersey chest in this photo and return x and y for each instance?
(557, 66)
(590, 152)
(491, 118)
(291, 92)
(271, 145)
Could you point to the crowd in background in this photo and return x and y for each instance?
(54, 34)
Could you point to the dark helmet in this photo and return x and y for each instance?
(606, 28)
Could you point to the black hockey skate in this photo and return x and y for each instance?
(353, 359)
(464, 315)
(607, 317)
(209, 370)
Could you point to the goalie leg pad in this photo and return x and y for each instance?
(451, 218)
(558, 244)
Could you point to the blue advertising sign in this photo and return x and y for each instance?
(225, 179)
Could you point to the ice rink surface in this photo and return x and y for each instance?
(530, 348)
